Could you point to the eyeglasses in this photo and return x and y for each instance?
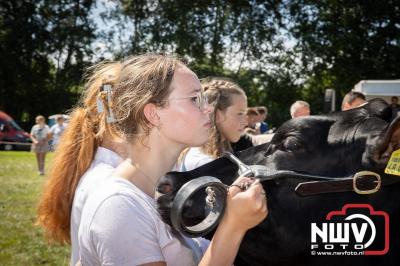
(200, 100)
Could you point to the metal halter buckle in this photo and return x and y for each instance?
(366, 173)
(210, 199)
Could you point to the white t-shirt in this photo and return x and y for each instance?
(40, 133)
(103, 165)
(121, 226)
(192, 159)
(57, 130)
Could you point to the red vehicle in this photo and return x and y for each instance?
(12, 136)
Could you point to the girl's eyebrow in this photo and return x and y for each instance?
(195, 91)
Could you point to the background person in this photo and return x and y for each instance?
(57, 130)
(40, 141)
(252, 119)
(299, 108)
(395, 106)
(261, 125)
(352, 100)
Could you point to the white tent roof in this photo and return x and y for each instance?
(379, 87)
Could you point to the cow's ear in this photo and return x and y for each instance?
(379, 108)
(389, 143)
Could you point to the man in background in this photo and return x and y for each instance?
(395, 106)
(299, 108)
(352, 100)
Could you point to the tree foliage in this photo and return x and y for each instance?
(44, 46)
(236, 39)
(204, 29)
(346, 41)
(278, 51)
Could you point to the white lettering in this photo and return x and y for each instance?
(340, 235)
(359, 234)
(323, 234)
(358, 246)
(340, 232)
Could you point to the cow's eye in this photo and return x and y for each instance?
(291, 144)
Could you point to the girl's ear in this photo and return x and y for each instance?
(150, 112)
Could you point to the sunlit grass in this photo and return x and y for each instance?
(21, 243)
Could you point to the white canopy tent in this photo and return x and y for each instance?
(384, 89)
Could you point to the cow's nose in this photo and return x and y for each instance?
(165, 185)
(164, 188)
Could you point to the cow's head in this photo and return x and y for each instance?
(335, 145)
(338, 144)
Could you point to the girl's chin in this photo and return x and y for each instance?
(235, 139)
(202, 141)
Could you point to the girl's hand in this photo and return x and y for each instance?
(245, 208)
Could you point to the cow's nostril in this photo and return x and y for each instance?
(165, 188)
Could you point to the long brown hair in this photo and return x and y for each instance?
(135, 82)
(143, 79)
(74, 155)
(219, 92)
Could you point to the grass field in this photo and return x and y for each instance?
(21, 243)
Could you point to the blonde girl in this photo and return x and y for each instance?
(230, 121)
(40, 141)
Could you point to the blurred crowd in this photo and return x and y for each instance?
(256, 131)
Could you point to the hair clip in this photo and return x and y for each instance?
(100, 106)
(105, 96)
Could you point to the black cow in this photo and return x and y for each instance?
(335, 145)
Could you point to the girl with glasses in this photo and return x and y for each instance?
(155, 107)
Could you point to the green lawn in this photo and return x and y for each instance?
(21, 243)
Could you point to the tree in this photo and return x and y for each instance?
(213, 34)
(43, 48)
(346, 41)
(202, 30)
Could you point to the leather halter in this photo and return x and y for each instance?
(363, 182)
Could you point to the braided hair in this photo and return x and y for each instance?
(219, 92)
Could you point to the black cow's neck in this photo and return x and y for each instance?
(221, 168)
